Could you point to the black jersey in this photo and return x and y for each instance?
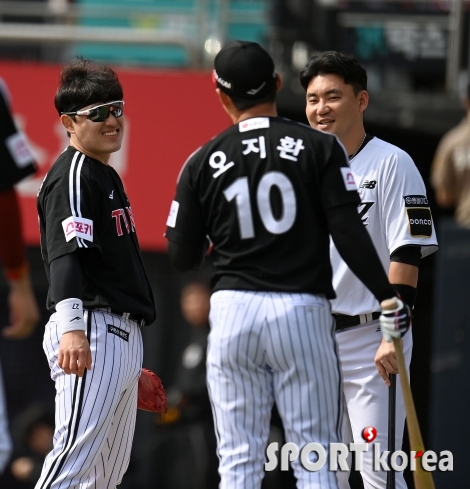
(82, 205)
(259, 190)
(16, 159)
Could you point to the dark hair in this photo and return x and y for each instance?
(86, 82)
(243, 104)
(333, 62)
(468, 91)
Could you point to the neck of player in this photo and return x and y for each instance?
(353, 140)
(263, 110)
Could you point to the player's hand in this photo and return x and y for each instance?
(386, 361)
(74, 353)
(395, 319)
(24, 311)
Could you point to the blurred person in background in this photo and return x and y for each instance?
(16, 163)
(32, 431)
(189, 422)
(450, 171)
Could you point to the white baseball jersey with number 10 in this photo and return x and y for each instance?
(395, 210)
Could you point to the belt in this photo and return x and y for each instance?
(124, 315)
(343, 321)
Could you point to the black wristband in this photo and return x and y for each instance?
(406, 293)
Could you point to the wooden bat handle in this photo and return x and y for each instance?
(389, 304)
(421, 478)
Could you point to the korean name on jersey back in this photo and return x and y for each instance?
(419, 215)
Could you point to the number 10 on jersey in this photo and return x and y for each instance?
(239, 190)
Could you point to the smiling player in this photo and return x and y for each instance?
(98, 289)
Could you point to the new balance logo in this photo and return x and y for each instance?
(75, 319)
(111, 195)
(369, 184)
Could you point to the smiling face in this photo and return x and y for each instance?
(332, 106)
(95, 139)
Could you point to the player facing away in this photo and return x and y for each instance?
(98, 289)
(395, 211)
(268, 192)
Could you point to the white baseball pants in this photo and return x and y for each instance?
(266, 347)
(366, 398)
(95, 414)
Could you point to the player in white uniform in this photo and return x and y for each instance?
(394, 208)
(271, 336)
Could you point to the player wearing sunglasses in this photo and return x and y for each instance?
(99, 293)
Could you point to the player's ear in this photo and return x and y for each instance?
(278, 82)
(363, 100)
(67, 122)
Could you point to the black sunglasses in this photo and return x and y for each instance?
(101, 112)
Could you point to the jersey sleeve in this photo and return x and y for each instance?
(407, 218)
(70, 214)
(185, 223)
(338, 186)
(16, 158)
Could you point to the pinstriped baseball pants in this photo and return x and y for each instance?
(272, 347)
(95, 414)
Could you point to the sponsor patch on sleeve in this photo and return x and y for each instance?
(420, 221)
(78, 227)
(19, 150)
(416, 201)
(348, 178)
(171, 221)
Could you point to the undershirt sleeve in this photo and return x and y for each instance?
(349, 236)
(66, 277)
(409, 254)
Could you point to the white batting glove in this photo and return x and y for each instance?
(395, 321)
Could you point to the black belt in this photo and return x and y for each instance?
(124, 315)
(343, 321)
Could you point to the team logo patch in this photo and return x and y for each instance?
(252, 124)
(415, 201)
(348, 178)
(171, 221)
(420, 221)
(118, 332)
(78, 227)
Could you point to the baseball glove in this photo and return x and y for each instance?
(151, 395)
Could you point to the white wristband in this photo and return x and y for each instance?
(69, 315)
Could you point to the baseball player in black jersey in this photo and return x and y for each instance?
(99, 292)
(268, 192)
(16, 163)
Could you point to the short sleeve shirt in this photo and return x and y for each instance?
(395, 210)
(259, 191)
(82, 206)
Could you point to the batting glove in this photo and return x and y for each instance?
(395, 322)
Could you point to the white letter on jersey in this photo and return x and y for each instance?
(348, 178)
(171, 221)
(78, 227)
(220, 164)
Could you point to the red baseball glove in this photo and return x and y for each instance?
(151, 395)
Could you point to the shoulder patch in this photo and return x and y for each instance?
(78, 227)
(171, 221)
(252, 124)
(19, 149)
(416, 201)
(420, 222)
(348, 178)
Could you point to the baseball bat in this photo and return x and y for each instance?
(392, 391)
(421, 478)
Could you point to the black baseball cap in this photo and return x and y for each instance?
(243, 69)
